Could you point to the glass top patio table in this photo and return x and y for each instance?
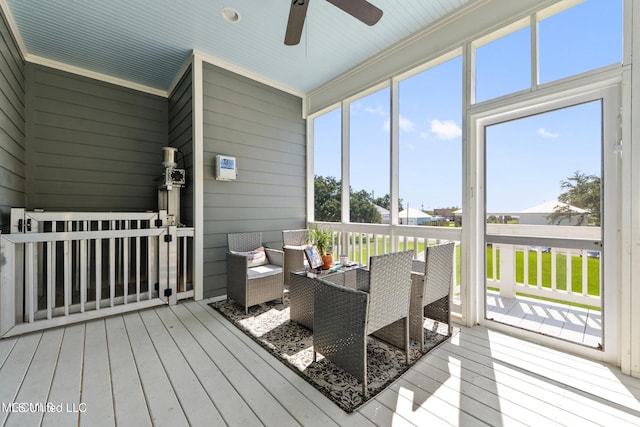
(302, 289)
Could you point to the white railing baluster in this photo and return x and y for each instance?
(30, 282)
(50, 290)
(494, 262)
(125, 265)
(526, 266)
(138, 268)
(553, 269)
(83, 274)
(585, 273)
(54, 266)
(67, 275)
(87, 227)
(569, 285)
(98, 252)
(539, 267)
(183, 282)
(112, 268)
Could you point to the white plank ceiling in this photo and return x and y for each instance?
(146, 41)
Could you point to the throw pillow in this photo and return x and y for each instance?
(255, 257)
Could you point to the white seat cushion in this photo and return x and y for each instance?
(295, 248)
(263, 271)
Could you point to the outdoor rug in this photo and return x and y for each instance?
(269, 325)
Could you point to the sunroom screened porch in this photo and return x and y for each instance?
(221, 93)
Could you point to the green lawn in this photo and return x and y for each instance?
(593, 267)
(593, 270)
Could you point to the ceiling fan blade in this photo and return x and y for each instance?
(297, 15)
(359, 9)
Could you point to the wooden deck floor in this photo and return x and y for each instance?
(186, 365)
(575, 324)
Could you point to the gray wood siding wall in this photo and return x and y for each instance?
(12, 126)
(264, 129)
(181, 137)
(91, 145)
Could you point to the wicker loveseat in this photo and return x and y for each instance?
(344, 317)
(251, 280)
(431, 287)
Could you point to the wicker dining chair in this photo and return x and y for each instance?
(294, 243)
(344, 317)
(431, 289)
(249, 284)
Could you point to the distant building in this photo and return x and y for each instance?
(444, 213)
(413, 216)
(384, 213)
(539, 215)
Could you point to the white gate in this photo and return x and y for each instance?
(62, 267)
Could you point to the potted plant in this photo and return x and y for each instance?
(322, 239)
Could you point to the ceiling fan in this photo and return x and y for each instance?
(359, 9)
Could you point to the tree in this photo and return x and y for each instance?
(327, 202)
(361, 209)
(385, 202)
(582, 191)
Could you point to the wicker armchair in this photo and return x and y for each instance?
(431, 287)
(250, 285)
(344, 317)
(294, 242)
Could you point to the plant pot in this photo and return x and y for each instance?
(328, 261)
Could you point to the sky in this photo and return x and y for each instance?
(526, 159)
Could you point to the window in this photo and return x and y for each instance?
(430, 173)
(327, 143)
(503, 65)
(369, 137)
(582, 38)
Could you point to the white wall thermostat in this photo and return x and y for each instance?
(225, 168)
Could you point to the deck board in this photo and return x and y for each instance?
(187, 365)
(226, 399)
(327, 408)
(511, 386)
(303, 410)
(237, 358)
(37, 382)
(579, 325)
(129, 401)
(65, 389)
(164, 406)
(14, 369)
(96, 393)
(196, 403)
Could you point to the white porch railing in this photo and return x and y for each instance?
(541, 261)
(558, 252)
(61, 267)
(360, 241)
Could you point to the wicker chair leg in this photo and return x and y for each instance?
(406, 339)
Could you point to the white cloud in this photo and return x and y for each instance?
(546, 134)
(447, 129)
(406, 125)
(377, 111)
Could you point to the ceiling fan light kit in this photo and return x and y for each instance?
(359, 9)
(230, 15)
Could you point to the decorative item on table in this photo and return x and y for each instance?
(322, 239)
(313, 257)
(344, 259)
